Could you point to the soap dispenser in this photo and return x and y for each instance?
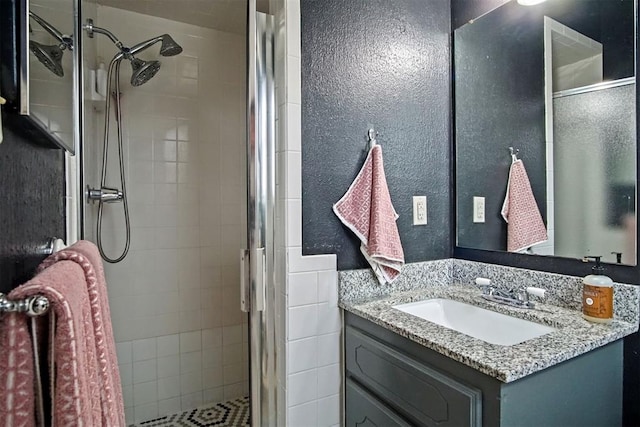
(597, 294)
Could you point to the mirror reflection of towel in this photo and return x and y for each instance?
(525, 226)
(367, 210)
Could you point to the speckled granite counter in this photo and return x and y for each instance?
(574, 335)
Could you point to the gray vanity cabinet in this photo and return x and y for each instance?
(392, 381)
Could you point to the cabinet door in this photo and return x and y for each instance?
(364, 410)
(421, 394)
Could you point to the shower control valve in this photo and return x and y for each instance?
(104, 195)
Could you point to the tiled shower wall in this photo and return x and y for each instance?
(181, 337)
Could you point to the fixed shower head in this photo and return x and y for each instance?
(50, 56)
(143, 71)
(66, 42)
(169, 46)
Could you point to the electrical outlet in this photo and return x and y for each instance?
(419, 210)
(478, 209)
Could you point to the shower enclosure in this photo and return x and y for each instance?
(594, 163)
(181, 335)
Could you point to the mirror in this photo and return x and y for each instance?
(40, 80)
(51, 71)
(556, 82)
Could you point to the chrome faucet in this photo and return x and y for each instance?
(513, 297)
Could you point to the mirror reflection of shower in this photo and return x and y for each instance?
(50, 56)
(142, 72)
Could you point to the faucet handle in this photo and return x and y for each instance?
(484, 284)
(483, 281)
(538, 292)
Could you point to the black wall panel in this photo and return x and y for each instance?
(31, 205)
(383, 64)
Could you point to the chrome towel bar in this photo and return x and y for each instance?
(32, 306)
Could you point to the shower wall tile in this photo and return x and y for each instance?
(175, 299)
(308, 386)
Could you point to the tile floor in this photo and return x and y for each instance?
(232, 413)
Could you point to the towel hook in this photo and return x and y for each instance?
(514, 153)
(371, 134)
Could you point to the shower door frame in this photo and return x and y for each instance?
(258, 266)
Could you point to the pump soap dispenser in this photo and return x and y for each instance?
(597, 294)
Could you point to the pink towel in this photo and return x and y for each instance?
(86, 377)
(17, 403)
(367, 210)
(525, 226)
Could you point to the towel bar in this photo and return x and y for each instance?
(32, 306)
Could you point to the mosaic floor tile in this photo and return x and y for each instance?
(233, 413)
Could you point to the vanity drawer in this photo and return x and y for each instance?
(365, 410)
(424, 395)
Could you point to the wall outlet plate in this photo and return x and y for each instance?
(478, 209)
(419, 210)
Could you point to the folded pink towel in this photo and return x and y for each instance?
(87, 256)
(76, 400)
(86, 380)
(366, 209)
(525, 226)
(17, 377)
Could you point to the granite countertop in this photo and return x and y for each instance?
(574, 335)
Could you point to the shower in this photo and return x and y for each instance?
(50, 56)
(142, 72)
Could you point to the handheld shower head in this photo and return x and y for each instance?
(49, 56)
(169, 46)
(143, 71)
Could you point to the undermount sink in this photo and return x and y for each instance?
(486, 325)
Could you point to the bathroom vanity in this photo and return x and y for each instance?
(403, 370)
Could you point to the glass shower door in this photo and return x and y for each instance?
(257, 282)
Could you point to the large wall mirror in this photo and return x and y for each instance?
(39, 58)
(555, 82)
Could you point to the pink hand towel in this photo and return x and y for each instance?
(76, 400)
(366, 209)
(86, 378)
(17, 376)
(86, 254)
(525, 226)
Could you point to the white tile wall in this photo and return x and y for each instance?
(309, 331)
(174, 299)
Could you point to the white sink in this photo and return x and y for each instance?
(486, 325)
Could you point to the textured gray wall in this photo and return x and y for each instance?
(32, 207)
(383, 64)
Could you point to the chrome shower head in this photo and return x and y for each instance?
(143, 71)
(49, 56)
(169, 46)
